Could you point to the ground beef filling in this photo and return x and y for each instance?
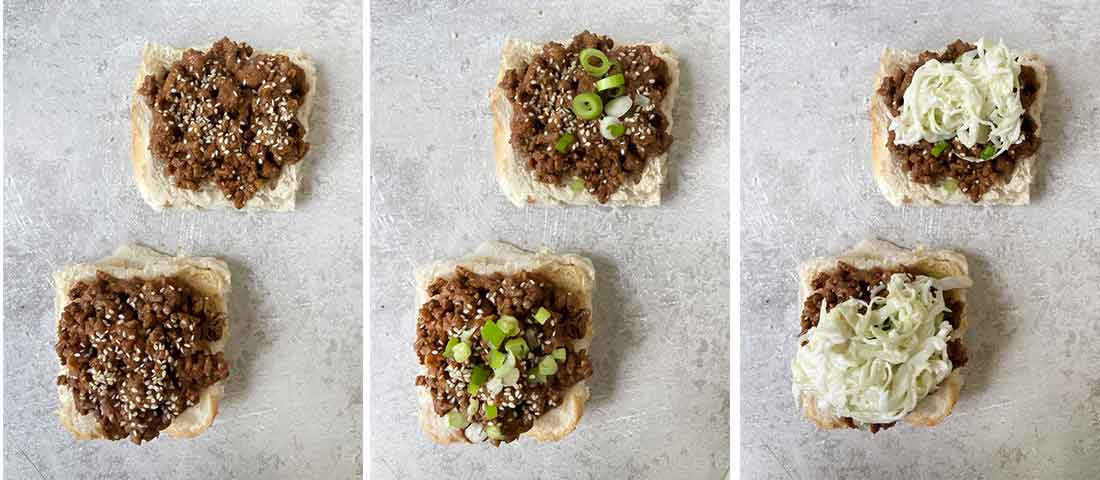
(835, 287)
(974, 179)
(227, 117)
(137, 352)
(465, 302)
(541, 93)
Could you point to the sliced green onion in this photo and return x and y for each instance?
(493, 432)
(477, 379)
(615, 67)
(494, 385)
(466, 334)
(447, 352)
(587, 106)
(559, 354)
(492, 333)
(988, 151)
(471, 410)
(564, 142)
(950, 185)
(490, 412)
(939, 148)
(456, 419)
(537, 378)
(577, 185)
(605, 127)
(616, 130)
(616, 80)
(509, 374)
(509, 325)
(542, 315)
(496, 359)
(517, 347)
(462, 352)
(598, 70)
(618, 107)
(548, 366)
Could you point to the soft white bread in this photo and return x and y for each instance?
(571, 272)
(878, 253)
(894, 183)
(208, 276)
(160, 191)
(521, 187)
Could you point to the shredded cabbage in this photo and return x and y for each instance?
(976, 99)
(873, 361)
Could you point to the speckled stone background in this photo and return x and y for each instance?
(293, 404)
(1031, 405)
(659, 406)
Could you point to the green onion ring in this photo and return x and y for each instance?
(590, 53)
(461, 352)
(616, 67)
(450, 346)
(456, 419)
(492, 334)
(548, 366)
(477, 378)
(577, 185)
(616, 80)
(517, 347)
(509, 325)
(496, 359)
(542, 315)
(616, 130)
(988, 151)
(587, 106)
(564, 142)
(939, 148)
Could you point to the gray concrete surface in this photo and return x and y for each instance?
(659, 406)
(1031, 406)
(293, 403)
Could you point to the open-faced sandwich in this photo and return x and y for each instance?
(957, 126)
(140, 337)
(220, 127)
(502, 338)
(881, 339)
(584, 123)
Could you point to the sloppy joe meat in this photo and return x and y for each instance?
(973, 178)
(228, 117)
(466, 301)
(541, 93)
(137, 351)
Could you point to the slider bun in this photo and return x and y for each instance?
(570, 272)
